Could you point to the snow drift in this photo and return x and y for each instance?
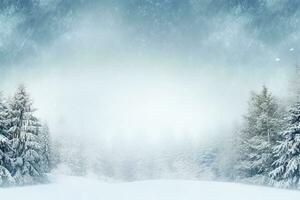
(76, 188)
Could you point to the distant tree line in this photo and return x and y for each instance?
(24, 142)
(265, 149)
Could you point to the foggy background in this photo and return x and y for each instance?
(132, 79)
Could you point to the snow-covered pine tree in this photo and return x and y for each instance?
(24, 130)
(44, 138)
(5, 148)
(287, 152)
(259, 135)
(5, 175)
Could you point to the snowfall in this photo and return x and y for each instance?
(76, 188)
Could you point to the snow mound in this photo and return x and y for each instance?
(76, 188)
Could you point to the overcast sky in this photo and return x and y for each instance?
(144, 69)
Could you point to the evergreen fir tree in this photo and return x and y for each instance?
(44, 138)
(287, 171)
(5, 149)
(24, 130)
(5, 162)
(260, 133)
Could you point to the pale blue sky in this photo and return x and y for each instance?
(146, 67)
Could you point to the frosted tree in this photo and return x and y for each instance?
(24, 130)
(227, 155)
(287, 171)
(259, 135)
(44, 138)
(4, 122)
(5, 162)
(5, 149)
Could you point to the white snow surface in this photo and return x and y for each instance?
(76, 188)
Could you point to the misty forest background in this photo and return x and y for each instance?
(154, 89)
(265, 149)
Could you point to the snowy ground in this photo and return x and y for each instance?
(75, 188)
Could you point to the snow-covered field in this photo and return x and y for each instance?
(75, 188)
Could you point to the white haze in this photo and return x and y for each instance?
(96, 81)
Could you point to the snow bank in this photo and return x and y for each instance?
(75, 188)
